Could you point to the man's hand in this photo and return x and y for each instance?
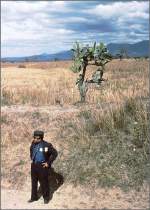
(45, 165)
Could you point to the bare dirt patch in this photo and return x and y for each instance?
(70, 197)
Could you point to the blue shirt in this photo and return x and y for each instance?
(38, 153)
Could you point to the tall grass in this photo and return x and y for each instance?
(109, 148)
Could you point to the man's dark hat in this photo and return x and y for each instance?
(38, 133)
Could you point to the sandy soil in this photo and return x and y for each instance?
(69, 197)
(53, 110)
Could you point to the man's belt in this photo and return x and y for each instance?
(37, 162)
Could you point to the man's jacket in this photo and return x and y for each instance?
(48, 150)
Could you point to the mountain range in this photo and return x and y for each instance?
(138, 49)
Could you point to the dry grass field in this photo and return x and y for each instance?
(102, 143)
(47, 83)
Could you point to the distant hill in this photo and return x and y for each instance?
(64, 55)
(134, 50)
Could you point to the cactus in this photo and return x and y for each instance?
(83, 56)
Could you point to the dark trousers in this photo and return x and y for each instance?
(39, 173)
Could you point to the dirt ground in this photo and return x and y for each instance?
(70, 197)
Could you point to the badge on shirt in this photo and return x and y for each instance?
(41, 149)
(46, 149)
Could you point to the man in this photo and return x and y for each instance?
(42, 155)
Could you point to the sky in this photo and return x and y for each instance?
(36, 27)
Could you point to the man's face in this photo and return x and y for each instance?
(36, 139)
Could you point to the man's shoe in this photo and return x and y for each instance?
(46, 201)
(31, 200)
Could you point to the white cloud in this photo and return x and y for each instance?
(27, 22)
(76, 19)
(126, 16)
(120, 9)
(25, 7)
(32, 27)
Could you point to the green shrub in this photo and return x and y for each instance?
(6, 98)
(3, 119)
